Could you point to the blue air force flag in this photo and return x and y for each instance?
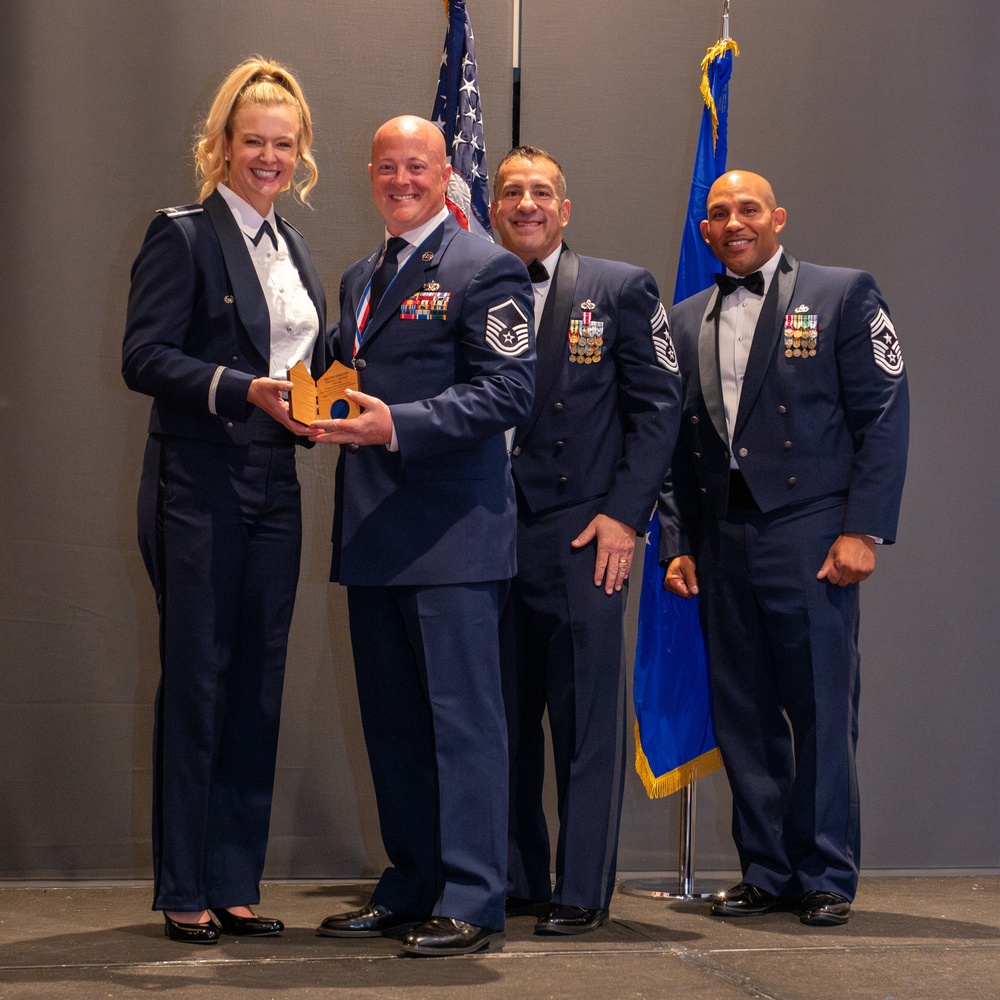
(674, 740)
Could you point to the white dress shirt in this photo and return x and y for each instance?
(737, 322)
(294, 319)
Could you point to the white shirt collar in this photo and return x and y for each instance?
(417, 236)
(766, 269)
(247, 217)
(552, 261)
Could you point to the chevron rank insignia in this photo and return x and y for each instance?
(507, 329)
(885, 345)
(662, 344)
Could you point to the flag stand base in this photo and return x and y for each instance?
(669, 888)
(683, 888)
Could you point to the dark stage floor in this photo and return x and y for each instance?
(925, 938)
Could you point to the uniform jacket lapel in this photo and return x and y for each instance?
(766, 334)
(418, 270)
(250, 302)
(708, 366)
(310, 280)
(550, 332)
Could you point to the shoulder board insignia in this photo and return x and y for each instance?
(179, 211)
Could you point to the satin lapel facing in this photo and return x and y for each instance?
(550, 333)
(250, 302)
(708, 367)
(766, 334)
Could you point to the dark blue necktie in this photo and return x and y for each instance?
(385, 272)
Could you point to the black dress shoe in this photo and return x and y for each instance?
(372, 920)
(824, 909)
(570, 920)
(743, 900)
(444, 936)
(247, 926)
(206, 933)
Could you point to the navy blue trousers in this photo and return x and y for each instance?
(220, 533)
(562, 652)
(784, 667)
(428, 674)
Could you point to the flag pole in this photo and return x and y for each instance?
(515, 116)
(685, 888)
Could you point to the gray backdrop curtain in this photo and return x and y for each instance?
(877, 124)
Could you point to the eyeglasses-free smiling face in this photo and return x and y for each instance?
(530, 211)
(743, 221)
(262, 153)
(409, 172)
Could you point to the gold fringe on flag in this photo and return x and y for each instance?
(721, 46)
(675, 780)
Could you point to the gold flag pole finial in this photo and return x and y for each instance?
(724, 44)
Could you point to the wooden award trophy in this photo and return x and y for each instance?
(323, 398)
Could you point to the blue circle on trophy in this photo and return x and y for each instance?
(340, 409)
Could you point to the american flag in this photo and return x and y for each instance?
(457, 113)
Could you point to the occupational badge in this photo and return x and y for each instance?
(885, 345)
(662, 343)
(507, 329)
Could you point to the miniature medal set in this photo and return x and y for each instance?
(801, 333)
(586, 337)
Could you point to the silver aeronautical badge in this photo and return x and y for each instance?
(802, 309)
(431, 286)
(588, 306)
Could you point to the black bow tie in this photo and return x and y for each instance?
(752, 283)
(265, 228)
(537, 272)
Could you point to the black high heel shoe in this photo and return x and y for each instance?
(206, 933)
(247, 926)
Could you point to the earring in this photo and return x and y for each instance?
(227, 159)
